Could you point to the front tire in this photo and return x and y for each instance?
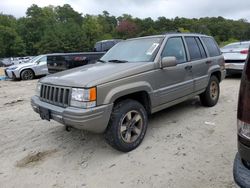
(27, 75)
(211, 95)
(127, 126)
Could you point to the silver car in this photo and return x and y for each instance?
(27, 71)
(235, 55)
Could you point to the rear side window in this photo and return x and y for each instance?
(98, 47)
(212, 47)
(175, 47)
(195, 49)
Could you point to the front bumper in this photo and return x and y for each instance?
(93, 119)
(12, 74)
(241, 173)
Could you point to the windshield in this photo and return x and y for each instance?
(35, 59)
(134, 50)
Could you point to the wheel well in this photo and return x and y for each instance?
(26, 69)
(217, 74)
(141, 96)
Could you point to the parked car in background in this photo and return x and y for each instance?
(28, 71)
(242, 159)
(63, 61)
(105, 45)
(235, 55)
(135, 78)
(19, 60)
(6, 62)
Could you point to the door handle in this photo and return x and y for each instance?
(208, 62)
(188, 67)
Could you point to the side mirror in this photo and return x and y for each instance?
(168, 61)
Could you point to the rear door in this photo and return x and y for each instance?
(175, 82)
(199, 62)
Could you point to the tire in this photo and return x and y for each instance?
(27, 74)
(127, 125)
(211, 95)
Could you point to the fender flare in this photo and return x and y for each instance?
(127, 89)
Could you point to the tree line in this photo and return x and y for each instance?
(62, 29)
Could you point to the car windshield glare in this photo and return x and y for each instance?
(134, 50)
(35, 59)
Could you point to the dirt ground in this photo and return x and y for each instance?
(185, 146)
(1, 71)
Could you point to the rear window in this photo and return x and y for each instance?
(98, 47)
(212, 47)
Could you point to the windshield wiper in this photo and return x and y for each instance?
(117, 61)
(101, 61)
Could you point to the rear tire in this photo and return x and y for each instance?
(127, 125)
(27, 75)
(211, 95)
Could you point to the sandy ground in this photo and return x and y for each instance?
(1, 71)
(185, 146)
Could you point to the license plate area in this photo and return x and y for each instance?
(44, 113)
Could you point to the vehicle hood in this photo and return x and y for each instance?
(21, 65)
(96, 74)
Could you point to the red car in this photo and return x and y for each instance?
(242, 159)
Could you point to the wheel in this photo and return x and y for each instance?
(127, 126)
(211, 95)
(27, 74)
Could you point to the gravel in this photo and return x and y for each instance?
(186, 145)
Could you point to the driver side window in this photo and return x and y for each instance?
(175, 47)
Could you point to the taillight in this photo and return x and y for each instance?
(244, 102)
(243, 129)
(244, 51)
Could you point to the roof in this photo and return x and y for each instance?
(171, 34)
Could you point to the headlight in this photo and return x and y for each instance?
(38, 89)
(12, 68)
(244, 129)
(83, 98)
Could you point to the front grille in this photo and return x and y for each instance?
(5, 71)
(59, 96)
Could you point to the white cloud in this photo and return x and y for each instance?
(141, 8)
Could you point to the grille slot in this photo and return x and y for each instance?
(235, 61)
(56, 95)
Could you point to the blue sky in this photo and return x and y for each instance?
(141, 8)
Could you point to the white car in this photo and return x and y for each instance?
(235, 55)
(27, 71)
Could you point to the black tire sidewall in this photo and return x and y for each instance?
(25, 71)
(206, 96)
(118, 114)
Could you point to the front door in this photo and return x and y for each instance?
(42, 68)
(175, 82)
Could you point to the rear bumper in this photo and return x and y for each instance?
(234, 66)
(241, 173)
(93, 119)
